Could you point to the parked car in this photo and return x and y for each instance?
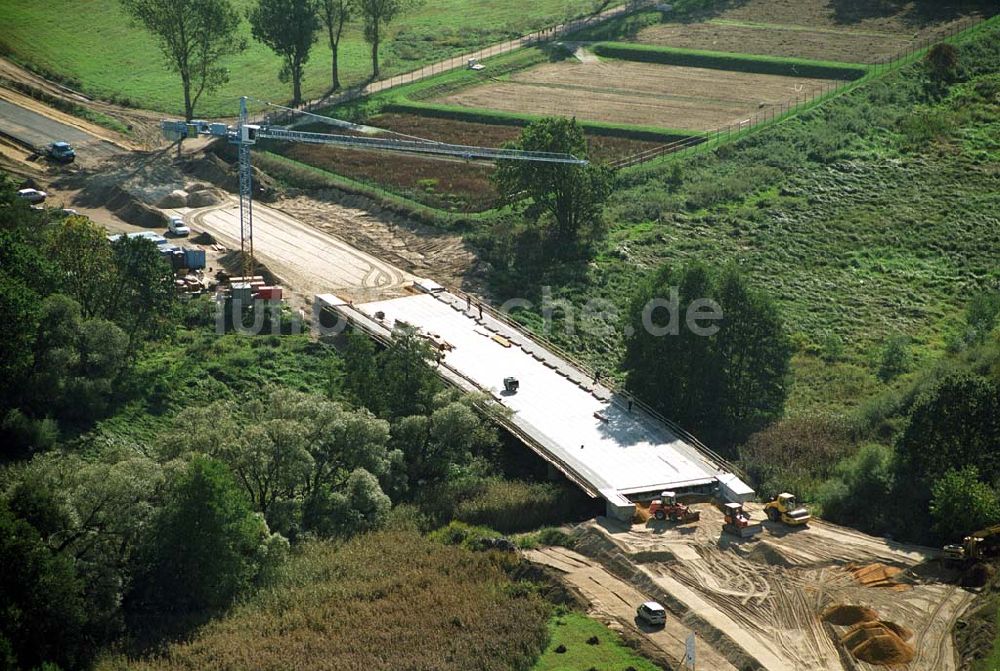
(33, 195)
(652, 613)
(177, 226)
(61, 152)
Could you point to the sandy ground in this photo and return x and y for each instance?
(304, 258)
(419, 250)
(638, 93)
(760, 599)
(614, 601)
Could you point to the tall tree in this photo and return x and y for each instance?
(754, 355)
(194, 35)
(335, 14)
(202, 548)
(573, 195)
(288, 28)
(723, 378)
(377, 15)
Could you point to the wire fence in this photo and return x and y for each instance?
(806, 98)
(460, 62)
(703, 141)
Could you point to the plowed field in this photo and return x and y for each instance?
(819, 29)
(644, 94)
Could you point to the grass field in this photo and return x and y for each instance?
(644, 94)
(452, 185)
(573, 630)
(870, 217)
(93, 46)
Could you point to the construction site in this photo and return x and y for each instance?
(760, 582)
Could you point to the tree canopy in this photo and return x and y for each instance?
(720, 378)
(572, 195)
(288, 28)
(377, 14)
(203, 547)
(194, 36)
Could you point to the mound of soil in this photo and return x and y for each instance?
(897, 629)
(176, 198)
(846, 615)
(203, 198)
(877, 645)
(766, 553)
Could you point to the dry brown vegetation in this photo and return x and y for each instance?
(820, 29)
(645, 94)
(448, 184)
(390, 600)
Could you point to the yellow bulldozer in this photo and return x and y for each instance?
(977, 546)
(784, 508)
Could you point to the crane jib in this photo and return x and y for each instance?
(413, 146)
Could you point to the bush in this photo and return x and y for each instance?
(895, 360)
(860, 492)
(795, 454)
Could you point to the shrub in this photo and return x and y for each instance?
(794, 454)
(512, 505)
(769, 65)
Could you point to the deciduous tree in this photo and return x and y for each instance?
(288, 28)
(203, 547)
(194, 36)
(723, 382)
(961, 503)
(335, 14)
(377, 15)
(573, 195)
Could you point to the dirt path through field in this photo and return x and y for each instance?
(614, 600)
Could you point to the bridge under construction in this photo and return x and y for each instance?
(607, 443)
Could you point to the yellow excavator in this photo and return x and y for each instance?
(784, 508)
(977, 546)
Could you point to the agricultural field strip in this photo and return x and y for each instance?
(698, 109)
(798, 28)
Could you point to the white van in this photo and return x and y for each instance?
(652, 613)
(177, 226)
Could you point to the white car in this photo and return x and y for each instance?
(652, 613)
(177, 226)
(33, 195)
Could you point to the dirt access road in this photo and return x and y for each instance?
(759, 602)
(35, 126)
(308, 260)
(614, 601)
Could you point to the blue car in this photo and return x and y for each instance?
(62, 152)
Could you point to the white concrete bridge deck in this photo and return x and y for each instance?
(584, 429)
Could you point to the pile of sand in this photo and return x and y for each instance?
(877, 643)
(878, 575)
(845, 615)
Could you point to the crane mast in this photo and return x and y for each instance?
(244, 135)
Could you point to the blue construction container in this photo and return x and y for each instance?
(194, 259)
